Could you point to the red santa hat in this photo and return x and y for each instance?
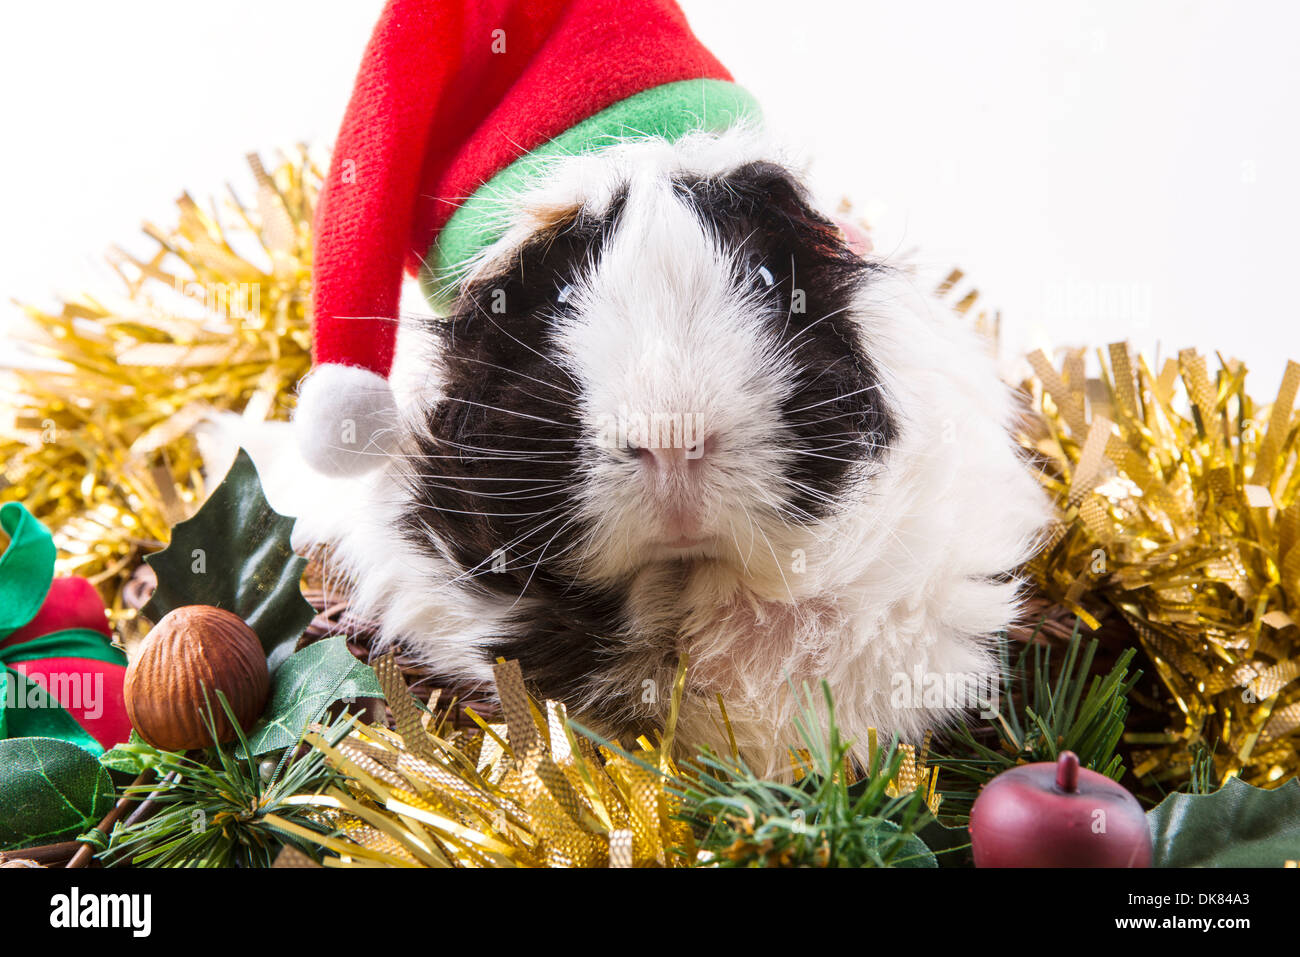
(457, 103)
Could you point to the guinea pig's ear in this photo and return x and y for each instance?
(528, 219)
(764, 205)
(792, 206)
(544, 214)
(856, 236)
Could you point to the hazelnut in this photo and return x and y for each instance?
(193, 648)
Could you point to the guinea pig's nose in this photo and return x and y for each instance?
(674, 458)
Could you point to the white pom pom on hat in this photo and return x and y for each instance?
(346, 422)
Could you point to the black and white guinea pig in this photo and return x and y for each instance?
(673, 413)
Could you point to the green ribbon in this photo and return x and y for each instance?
(26, 573)
(26, 567)
(69, 643)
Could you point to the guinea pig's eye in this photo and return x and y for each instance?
(562, 296)
(761, 276)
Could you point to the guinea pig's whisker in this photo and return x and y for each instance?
(488, 458)
(809, 423)
(775, 561)
(564, 551)
(537, 564)
(857, 440)
(794, 284)
(503, 496)
(827, 446)
(522, 415)
(753, 538)
(559, 402)
(458, 511)
(820, 375)
(522, 453)
(735, 540)
(519, 558)
(788, 348)
(504, 454)
(896, 450)
(520, 485)
(787, 516)
(783, 510)
(429, 457)
(858, 433)
(837, 398)
(555, 515)
(530, 378)
(526, 438)
(504, 549)
(817, 494)
(488, 316)
(829, 458)
(482, 478)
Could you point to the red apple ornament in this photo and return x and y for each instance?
(1058, 815)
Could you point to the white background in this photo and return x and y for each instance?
(1103, 170)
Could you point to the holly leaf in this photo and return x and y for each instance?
(235, 554)
(910, 851)
(320, 675)
(1238, 825)
(53, 791)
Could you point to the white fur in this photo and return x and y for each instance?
(899, 579)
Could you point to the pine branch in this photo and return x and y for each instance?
(822, 821)
(214, 805)
(1078, 712)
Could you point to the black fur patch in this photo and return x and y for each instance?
(499, 459)
(500, 456)
(836, 416)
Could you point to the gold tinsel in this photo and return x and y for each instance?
(214, 318)
(527, 792)
(1179, 508)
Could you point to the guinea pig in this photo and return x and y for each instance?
(671, 412)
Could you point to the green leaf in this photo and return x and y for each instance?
(951, 845)
(131, 757)
(304, 687)
(52, 790)
(235, 554)
(908, 849)
(1238, 825)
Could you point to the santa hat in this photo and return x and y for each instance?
(457, 104)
